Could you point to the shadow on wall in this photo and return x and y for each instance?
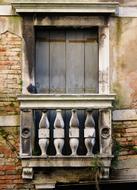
(112, 186)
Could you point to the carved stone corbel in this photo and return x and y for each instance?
(27, 173)
(104, 173)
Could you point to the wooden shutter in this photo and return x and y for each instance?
(67, 61)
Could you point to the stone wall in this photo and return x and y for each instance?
(123, 56)
(10, 87)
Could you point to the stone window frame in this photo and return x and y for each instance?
(32, 8)
(95, 14)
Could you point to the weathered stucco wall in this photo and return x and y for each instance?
(123, 77)
(123, 56)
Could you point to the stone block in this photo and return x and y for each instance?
(74, 133)
(43, 133)
(58, 133)
(89, 132)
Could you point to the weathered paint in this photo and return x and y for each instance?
(123, 60)
(12, 24)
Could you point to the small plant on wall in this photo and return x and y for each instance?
(116, 151)
(96, 171)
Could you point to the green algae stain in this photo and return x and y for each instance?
(119, 30)
(118, 103)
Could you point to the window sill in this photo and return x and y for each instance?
(54, 101)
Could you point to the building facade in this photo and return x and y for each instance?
(68, 94)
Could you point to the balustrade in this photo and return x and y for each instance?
(66, 131)
(58, 127)
(59, 133)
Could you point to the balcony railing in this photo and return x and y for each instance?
(65, 131)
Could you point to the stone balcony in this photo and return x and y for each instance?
(65, 131)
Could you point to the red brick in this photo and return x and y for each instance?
(6, 181)
(18, 181)
(10, 177)
(4, 150)
(135, 142)
(2, 49)
(8, 167)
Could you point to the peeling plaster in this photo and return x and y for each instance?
(123, 56)
(12, 24)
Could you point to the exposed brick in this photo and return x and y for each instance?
(2, 49)
(11, 172)
(10, 69)
(8, 177)
(7, 186)
(8, 167)
(6, 181)
(131, 130)
(2, 173)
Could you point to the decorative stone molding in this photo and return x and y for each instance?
(38, 101)
(26, 133)
(33, 6)
(105, 132)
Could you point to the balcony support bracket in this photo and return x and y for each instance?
(27, 173)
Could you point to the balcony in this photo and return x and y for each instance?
(65, 131)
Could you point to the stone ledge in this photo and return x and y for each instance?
(64, 7)
(65, 161)
(125, 115)
(9, 121)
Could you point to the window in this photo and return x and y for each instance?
(67, 63)
(67, 60)
(71, 71)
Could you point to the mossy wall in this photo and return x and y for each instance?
(123, 56)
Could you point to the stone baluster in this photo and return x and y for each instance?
(105, 131)
(74, 133)
(58, 133)
(89, 132)
(44, 133)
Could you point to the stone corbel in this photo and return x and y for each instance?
(27, 173)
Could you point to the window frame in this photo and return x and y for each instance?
(29, 24)
(84, 14)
